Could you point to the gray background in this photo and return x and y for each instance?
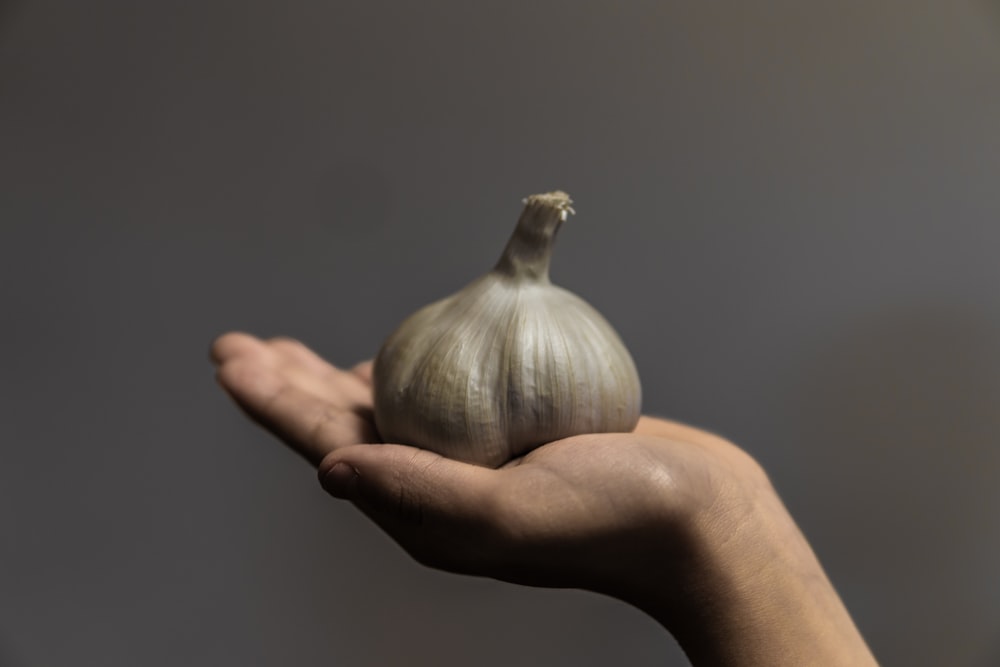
(790, 211)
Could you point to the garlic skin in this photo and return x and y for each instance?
(509, 363)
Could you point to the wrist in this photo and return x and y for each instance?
(748, 589)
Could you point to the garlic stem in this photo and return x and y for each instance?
(529, 250)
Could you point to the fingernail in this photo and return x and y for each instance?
(341, 481)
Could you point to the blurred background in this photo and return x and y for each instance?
(789, 210)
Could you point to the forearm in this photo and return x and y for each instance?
(756, 595)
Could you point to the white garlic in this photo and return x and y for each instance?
(508, 363)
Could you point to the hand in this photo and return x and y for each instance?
(677, 521)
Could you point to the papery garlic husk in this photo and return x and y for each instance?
(509, 363)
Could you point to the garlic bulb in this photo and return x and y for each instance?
(508, 363)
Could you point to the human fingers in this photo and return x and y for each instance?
(311, 370)
(312, 406)
(294, 357)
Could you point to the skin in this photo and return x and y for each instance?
(674, 520)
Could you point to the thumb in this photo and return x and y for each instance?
(410, 485)
(444, 513)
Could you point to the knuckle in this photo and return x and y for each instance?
(408, 497)
(323, 422)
